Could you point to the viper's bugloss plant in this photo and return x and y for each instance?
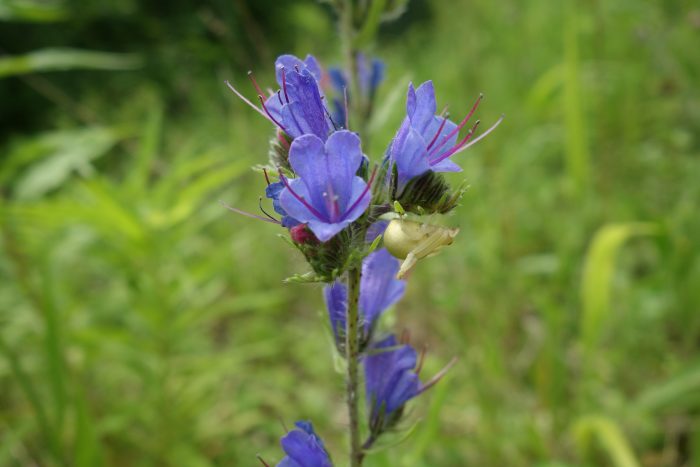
(360, 224)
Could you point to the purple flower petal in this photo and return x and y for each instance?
(305, 113)
(304, 448)
(446, 165)
(290, 63)
(390, 377)
(379, 288)
(336, 297)
(408, 151)
(424, 107)
(375, 230)
(327, 194)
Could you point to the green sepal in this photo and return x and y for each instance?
(429, 194)
(279, 154)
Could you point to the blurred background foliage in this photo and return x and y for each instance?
(143, 324)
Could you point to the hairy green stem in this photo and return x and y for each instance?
(357, 120)
(352, 351)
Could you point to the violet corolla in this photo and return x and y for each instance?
(327, 194)
(304, 448)
(426, 141)
(379, 289)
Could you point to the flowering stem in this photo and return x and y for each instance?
(352, 356)
(347, 35)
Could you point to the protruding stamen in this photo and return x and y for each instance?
(460, 126)
(284, 425)
(454, 149)
(437, 133)
(301, 199)
(421, 359)
(284, 85)
(279, 97)
(247, 214)
(263, 210)
(272, 119)
(255, 83)
(267, 178)
(328, 114)
(481, 136)
(243, 98)
(362, 195)
(405, 337)
(441, 374)
(262, 461)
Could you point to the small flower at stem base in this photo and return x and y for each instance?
(304, 448)
(392, 379)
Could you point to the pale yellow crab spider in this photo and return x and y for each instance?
(412, 241)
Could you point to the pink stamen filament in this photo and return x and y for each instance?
(269, 115)
(333, 206)
(279, 98)
(255, 83)
(457, 146)
(301, 199)
(247, 214)
(459, 127)
(434, 380)
(364, 192)
(243, 98)
(437, 133)
(421, 359)
(480, 137)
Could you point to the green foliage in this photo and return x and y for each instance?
(610, 437)
(598, 270)
(141, 323)
(66, 59)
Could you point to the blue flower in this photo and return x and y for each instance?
(327, 195)
(304, 448)
(272, 192)
(391, 380)
(370, 76)
(297, 108)
(379, 289)
(425, 141)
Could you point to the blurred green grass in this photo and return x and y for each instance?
(143, 324)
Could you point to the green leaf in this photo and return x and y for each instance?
(597, 274)
(61, 59)
(680, 392)
(32, 11)
(577, 153)
(610, 437)
(62, 154)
